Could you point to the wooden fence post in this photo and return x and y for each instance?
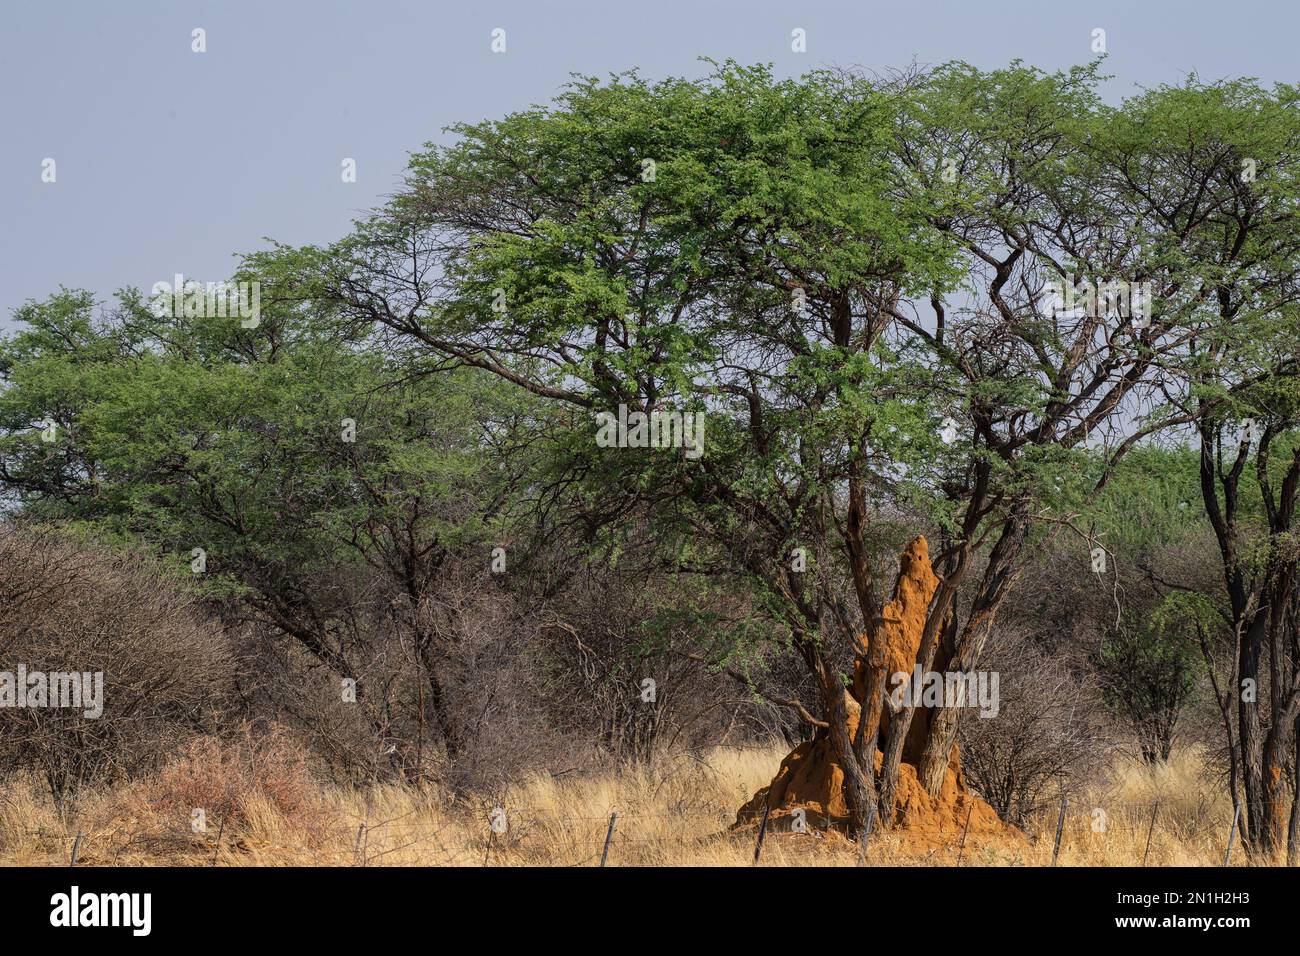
(1150, 830)
(1227, 859)
(762, 832)
(1060, 825)
(220, 831)
(609, 835)
(962, 848)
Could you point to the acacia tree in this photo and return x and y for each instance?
(756, 249)
(1250, 475)
(1049, 395)
(731, 248)
(1220, 209)
(1075, 190)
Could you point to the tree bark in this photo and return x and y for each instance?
(998, 578)
(859, 782)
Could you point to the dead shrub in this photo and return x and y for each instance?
(1050, 733)
(69, 606)
(224, 777)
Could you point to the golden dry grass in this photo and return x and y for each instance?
(676, 813)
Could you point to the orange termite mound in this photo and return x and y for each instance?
(810, 777)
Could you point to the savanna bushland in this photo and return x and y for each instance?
(645, 436)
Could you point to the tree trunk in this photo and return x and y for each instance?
(859, 783)
(1293, 830)
(998, 578)
(1272, 805)
(1248, 733)
(438, 700)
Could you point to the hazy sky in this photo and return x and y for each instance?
(171, 161)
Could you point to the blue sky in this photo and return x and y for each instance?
(172, 161)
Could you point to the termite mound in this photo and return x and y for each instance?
(810, 778)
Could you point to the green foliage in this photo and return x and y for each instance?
(233, 440)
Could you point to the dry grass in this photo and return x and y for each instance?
(677, 813)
